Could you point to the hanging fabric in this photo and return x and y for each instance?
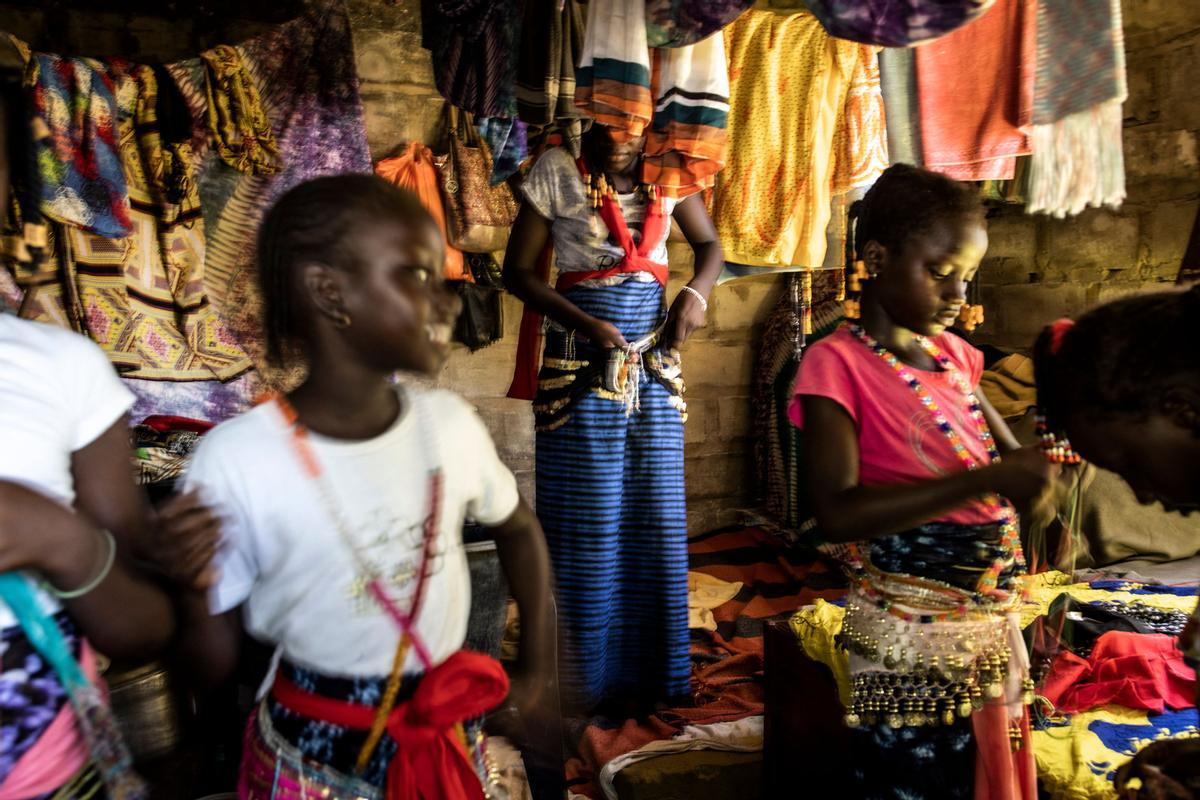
(975, 88)
(308, 88)
(860, 142)
(474, 45)
(140, 297)
(685, 147)
(75, 133)
(613, 80)
(892, 24)
(508, 141)
(240, 129)
(679, 23)
(898, 78)
(1078, 159)
(414, 170)
(788, 87)
(551, 37)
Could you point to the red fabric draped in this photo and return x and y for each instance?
(524, 384)
(1135, 670)
(430, 763)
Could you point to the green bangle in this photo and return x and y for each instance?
(98, 578)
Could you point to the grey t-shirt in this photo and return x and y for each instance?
(582, 242)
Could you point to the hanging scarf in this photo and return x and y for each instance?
(95, 718)
(637, 259)
(551, 36)
(1078, 159)
(75, 130)
(685, 148)
(613, 80)
(236, 118)
(891, 24)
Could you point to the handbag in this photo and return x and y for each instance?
(478, 215)
(481, 322)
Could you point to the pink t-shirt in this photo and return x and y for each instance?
(898, 440)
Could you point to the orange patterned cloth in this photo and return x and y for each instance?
(805, 120)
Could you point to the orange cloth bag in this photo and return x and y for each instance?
(414, 170)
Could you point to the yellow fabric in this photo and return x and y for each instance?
(141, 298)
(1075, 763)
(817, 628)
(706, 593)
(236, 118)
(789, 82)
(1044, 587)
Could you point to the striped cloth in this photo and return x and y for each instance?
(685, 148)
(610, 497)
(612, 84)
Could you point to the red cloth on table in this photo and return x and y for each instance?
(975, 93)
(1135, 670)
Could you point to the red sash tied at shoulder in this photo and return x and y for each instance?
(430, 762)
(636, 259)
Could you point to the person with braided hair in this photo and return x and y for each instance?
(343, 505)
(1122, 385)
(905, 474)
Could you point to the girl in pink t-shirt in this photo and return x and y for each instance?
(902, 458)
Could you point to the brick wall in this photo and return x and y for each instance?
(1038, 269)
(401, 104)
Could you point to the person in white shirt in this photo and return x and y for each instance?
(342, 507)
(72, 521)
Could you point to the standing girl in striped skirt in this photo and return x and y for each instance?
(610, 412)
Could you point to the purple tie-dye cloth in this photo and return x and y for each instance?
(895, 23)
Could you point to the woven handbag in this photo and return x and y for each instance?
(478, 215)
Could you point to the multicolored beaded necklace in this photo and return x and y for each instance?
(1010, 538)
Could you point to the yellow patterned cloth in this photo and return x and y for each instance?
(141, 297)
(236, 118)
(1078, 757)
(789, 88)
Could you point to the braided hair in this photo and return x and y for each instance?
(906, 202)
(1115, 357)
(316, 222)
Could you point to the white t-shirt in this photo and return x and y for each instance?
(285, 560)
(58, 393)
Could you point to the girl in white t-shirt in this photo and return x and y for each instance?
(71, 520)
(343, 504)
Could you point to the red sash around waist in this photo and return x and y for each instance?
(430, 762)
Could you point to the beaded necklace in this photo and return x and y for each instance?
(375, 582)
(1010, 538)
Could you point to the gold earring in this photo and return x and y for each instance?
(343, 320)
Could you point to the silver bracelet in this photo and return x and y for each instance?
(96, 579)
(700, 297)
